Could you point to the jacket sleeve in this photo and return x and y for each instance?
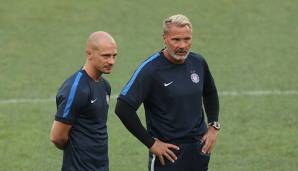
(210, 96)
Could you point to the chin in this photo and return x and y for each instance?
(180, 58)
(107, 72)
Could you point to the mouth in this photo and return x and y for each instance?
(181, 53)
(108, 68)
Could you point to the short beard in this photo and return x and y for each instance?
(177, 57)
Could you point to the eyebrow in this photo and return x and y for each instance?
(108, 54)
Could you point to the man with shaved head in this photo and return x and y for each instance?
(79, 128)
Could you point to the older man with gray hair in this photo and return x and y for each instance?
(173, 84)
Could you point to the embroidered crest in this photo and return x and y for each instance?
(194, 77)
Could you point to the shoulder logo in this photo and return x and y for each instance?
(167, 84)
(92, 101)
(194, 77)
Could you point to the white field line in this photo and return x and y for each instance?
(222, 93)
(21, 100)
(259, 93)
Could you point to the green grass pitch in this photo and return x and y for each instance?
(250, 46)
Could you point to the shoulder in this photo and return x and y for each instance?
(143, 74)
(76, 82)
(197, 58)
(73, 79)
(149, 65)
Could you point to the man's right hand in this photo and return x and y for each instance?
(161, 150)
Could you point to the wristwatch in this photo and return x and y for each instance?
(215, 125)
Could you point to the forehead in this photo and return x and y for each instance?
(107, 46)
(174, 30)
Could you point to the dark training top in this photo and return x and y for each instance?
(83, 103)
(172, 95)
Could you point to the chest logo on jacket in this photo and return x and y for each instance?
(167, 84)
(92, 101)
(194, 77)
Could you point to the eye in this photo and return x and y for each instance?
(106, 56)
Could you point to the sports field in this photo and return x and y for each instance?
(251, 47)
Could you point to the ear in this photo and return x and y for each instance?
(88, 53)
(164, 38)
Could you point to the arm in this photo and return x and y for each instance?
(210, 96)
(211, 106)
(131, 121)
(60, 134)
(69, 101)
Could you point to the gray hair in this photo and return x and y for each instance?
(177, 20)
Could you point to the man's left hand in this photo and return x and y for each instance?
(209, 140)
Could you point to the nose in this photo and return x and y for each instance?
(182, 45)
(112, 60)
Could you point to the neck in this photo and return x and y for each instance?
(92, 72)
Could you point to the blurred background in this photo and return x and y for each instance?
(251, 48)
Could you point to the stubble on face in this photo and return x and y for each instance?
(178, 41)
(101, 54)
(175, 55)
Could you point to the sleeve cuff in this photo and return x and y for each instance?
(63, 120)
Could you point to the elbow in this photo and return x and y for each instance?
(123, 109)
(118, 107)
(59, 141)
(117, 112)
(60, 134)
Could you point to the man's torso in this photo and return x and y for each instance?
(173, 101)
(87, 148)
